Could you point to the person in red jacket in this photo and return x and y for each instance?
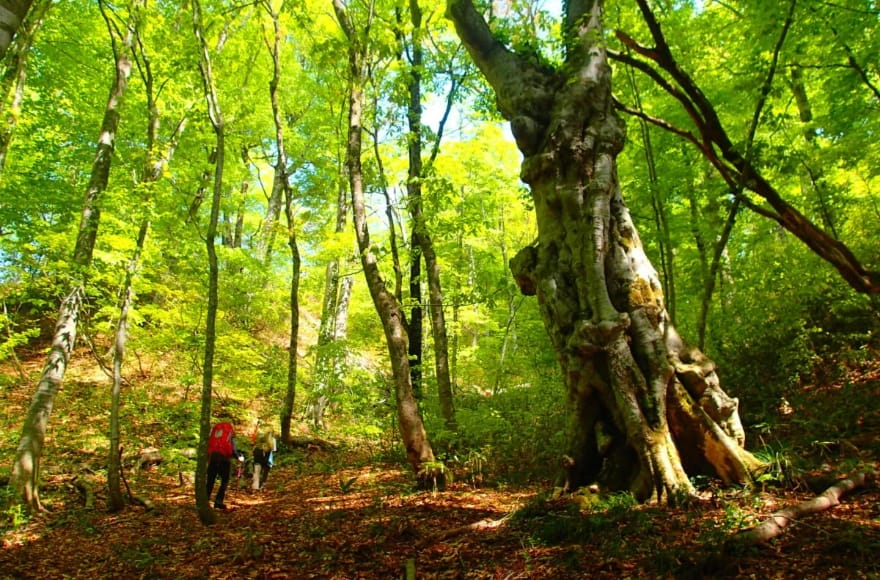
(221, 450)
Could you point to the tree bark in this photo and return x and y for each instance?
(91, 214)
(12, 13)
(648, 408)
(26, 468)
(281, 190)
(115, 499)
(415, 439)
(324, 377)
(333, 328)
(292, 347)
(13, 80)
(661, 217)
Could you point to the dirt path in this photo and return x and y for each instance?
(316, 522)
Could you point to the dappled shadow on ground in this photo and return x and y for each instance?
(334, 515)
(367, 522)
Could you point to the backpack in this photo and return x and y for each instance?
(266, 442)
(220, 440)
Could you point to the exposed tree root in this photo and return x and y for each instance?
(773, 526)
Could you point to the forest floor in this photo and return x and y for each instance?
(337, 514)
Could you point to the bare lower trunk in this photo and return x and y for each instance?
(153, 168)
(334, 326)
(324, 377)
(423, 245)
(115, 499)
(13, 80)
(295, 269)
(26, 469)
(441, 339)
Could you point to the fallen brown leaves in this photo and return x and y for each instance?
(316, 520)
(312, 524)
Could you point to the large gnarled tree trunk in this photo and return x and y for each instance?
(649, 409)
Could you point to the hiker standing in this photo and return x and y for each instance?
(264, 457)
(221, 449)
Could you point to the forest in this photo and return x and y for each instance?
(524, 288)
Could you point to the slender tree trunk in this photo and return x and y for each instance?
(415, 439)
(206, 514)
(441, 338)
(714, 270)
(334, 316)
(292, 360)
(91, 214)
(415, 326)
(325, 379)
(153, 169)
(281, 190)
(648, 407)
(26, 468)
(392, 225)
(115, 500)
(422, 244)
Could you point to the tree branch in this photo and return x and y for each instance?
(740, 166)
(510, 74)
(773, 526)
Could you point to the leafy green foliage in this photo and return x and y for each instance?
(778, 320)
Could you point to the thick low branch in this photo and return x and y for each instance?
(773, 526)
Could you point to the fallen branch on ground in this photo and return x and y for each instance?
(82, 483)
(310, 442)
(776, 523)
(476, 526)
